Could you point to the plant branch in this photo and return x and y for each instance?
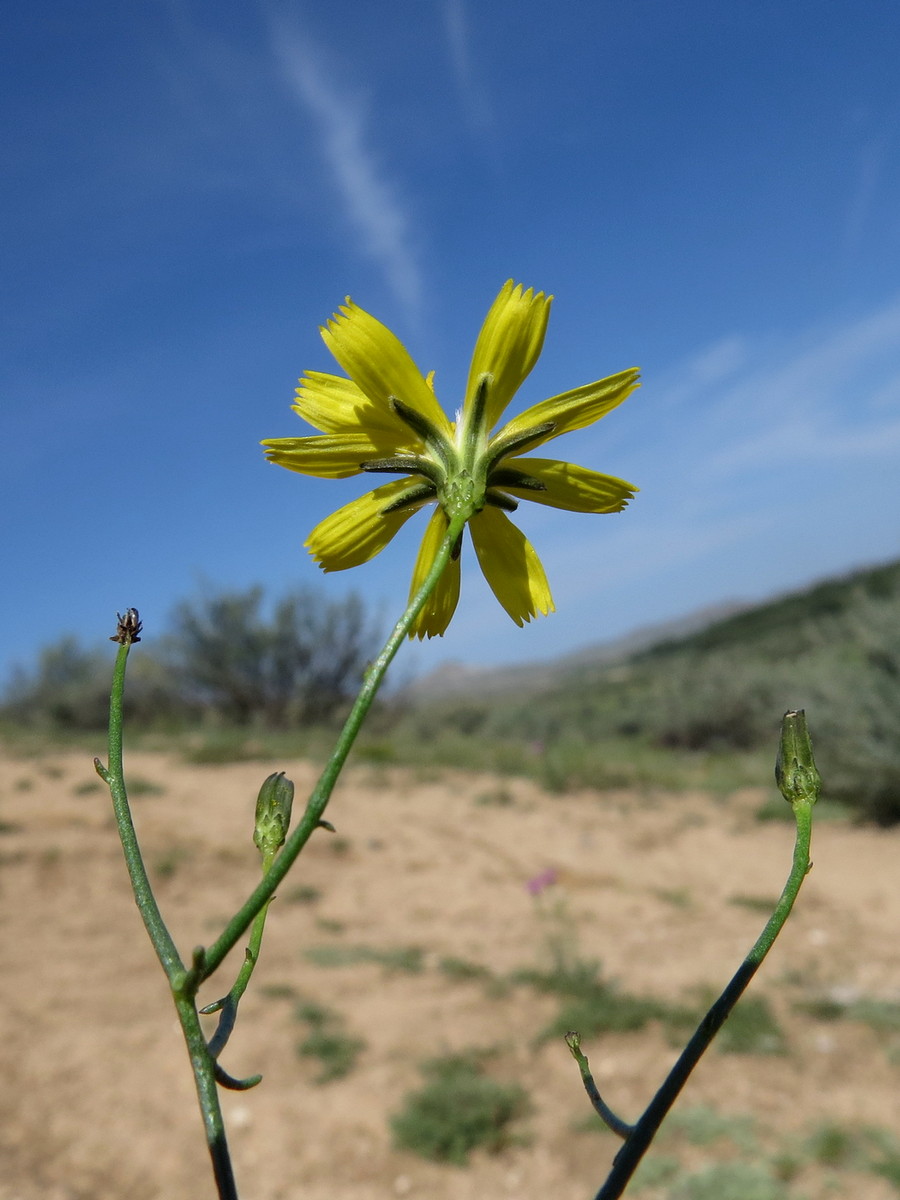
(114, 776)
(619, 1127)
(321, 794)
(638, 1140)
(182, 981)
(208, 1096)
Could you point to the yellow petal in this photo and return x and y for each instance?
(379, 364)
(332, 456)
(571, 487)
(510, 565)
(359, 530)
(575, 409)
(434, 618)
(336, 405)
(508, 346)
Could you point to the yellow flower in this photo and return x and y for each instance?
(385, 418)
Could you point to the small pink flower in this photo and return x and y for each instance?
(535, 886)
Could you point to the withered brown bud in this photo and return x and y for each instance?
(128, 629)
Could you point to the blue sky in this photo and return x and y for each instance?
(710, 189)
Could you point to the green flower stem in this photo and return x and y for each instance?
(208, 1096)
(114, 776)
(318, 801)
(637, 1141)
(177, 975)
(619, 1127)
(228, 1005)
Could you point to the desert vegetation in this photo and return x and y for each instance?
(236, 676)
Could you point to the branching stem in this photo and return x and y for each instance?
(184, 981)
(321, 794)
(642, 1133)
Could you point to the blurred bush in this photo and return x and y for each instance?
(227, 656)
(298, 664)
(67, 689)
(459, 1109)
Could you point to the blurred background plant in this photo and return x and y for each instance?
(458, 1109)
(229, 658)
(685, 710)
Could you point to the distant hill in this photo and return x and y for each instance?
(454, 678)
(771, 625)
(716, 683)
(777, 621)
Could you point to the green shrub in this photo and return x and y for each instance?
(170, 861)
(459, 1109)
(591, 1005)
(230, 655)
(378, 753)
(834, 1145)
(336, 1051)
(299, 662)
(462, 971)
(139, 786)
(881, 1015)
(730, 1181)
(499, 797)
(570, 976)
(751, 1029)
(604, 1011)
(702, 1125)
(327, 1041)
(68, 689)
(654, 1171)
(220, 747)
(410, 959)
(761, 904)
(304, 894)
(888, 1166)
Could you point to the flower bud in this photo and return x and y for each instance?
(795, 768)
(273, 813)
(128, 628)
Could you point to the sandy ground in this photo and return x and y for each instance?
(97, 1098)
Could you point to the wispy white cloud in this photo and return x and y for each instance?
(827, 400)
(372, 202)
(750, 402)
(709, 366)
(871, 162)
(636, 549)
(472, 92)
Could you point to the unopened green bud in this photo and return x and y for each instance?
(795, 768)
(273, 813)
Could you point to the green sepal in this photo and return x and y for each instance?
(502, 444)
(500, 500)
(422, 428)
(415, 497)
(510, 477)
(404, 464)
(474, 419)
